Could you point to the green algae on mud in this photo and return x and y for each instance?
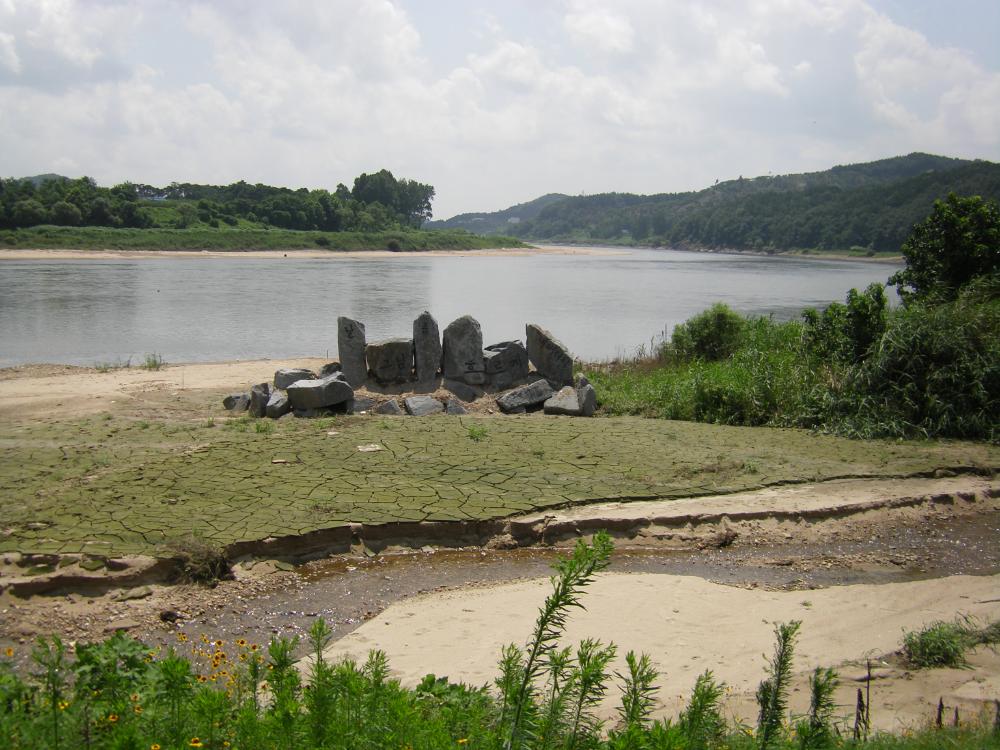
(114, 486)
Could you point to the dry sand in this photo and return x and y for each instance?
(688, 625)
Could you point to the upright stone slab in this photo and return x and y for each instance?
(351, 346)
(288, 375)
(506, 363)
(426, 347)
(319, 393)
(260, 394)
(462, 357)
(587, 397)
(390, 361)
(549, 356)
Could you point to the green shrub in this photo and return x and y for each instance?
(941, 644)
(711, 335)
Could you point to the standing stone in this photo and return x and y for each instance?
(236, 401)
(549, 356)
(422, 406)
(288, 375)
(462, 357)
(587, 397)
(426, 347)
(506, 363)
(390, 361)
(566, 401)
(277, 405)
(316, 394)
(351, 346)
(525, 397)
(260, 394)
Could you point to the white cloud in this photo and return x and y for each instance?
(644, 95)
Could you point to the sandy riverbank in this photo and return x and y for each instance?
(688, 625)
(507, 252)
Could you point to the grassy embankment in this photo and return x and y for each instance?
(926, 370)
(248, 238)
(213, 694)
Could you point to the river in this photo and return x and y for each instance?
(194, 309)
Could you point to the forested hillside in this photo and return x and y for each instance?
(872, 206)
(498, 222)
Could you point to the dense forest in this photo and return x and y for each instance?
(871, 207)
(377, 202)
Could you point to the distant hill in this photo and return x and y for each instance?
(498, 222)
(38, 179)
(872, 205)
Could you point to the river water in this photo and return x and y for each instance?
(192, 309)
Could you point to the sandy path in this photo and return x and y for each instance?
(689, 625)
(87, 391)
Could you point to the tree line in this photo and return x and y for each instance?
(377, 201)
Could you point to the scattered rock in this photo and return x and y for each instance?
(359, 405)
(316, 394)
(465, 392)
(329, 368)
(288, 375)
(506, 363)
(277, 406)
(718, 540)
(351, 348)
(389, 407)
(310, 413)
(390, 361)
(123, 623)
(426, 347)
(462, 351)
(369, 448)
(236, 402)
(549, 356)
(169, 615)
(525, 397)
(565, 402)
(422, 406)
(260, 394)
(454, 406)
(587, 397)
(92, 565)
(127, 595)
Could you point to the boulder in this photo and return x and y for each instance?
(288, 375)
(236, 402)
(465, 392)
(359, 405)
(426, 347)
(260, 394)
(587, 397)
(389, 407)
(565, 401)
(311, 413)
(351, 348)
(462, 351)
(329, 368)
(421, 406)
(454, 406)
(277, 405)
(506, 363)
(390, 361)
(552, 360)
(525, 397)
(319, 393)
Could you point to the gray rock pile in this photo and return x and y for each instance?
(455, 359)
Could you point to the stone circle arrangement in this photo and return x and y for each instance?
(535, 377)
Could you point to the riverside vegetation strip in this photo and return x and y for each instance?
(113, 485)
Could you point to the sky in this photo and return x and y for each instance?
(492, 103)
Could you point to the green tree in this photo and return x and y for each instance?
(66, 214)
(186, 215)
(29, 212)
(957, 243)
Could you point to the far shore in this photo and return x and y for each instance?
(75, 254)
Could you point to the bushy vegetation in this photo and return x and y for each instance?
(930, 368)
(944, 644)
(120, 694)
